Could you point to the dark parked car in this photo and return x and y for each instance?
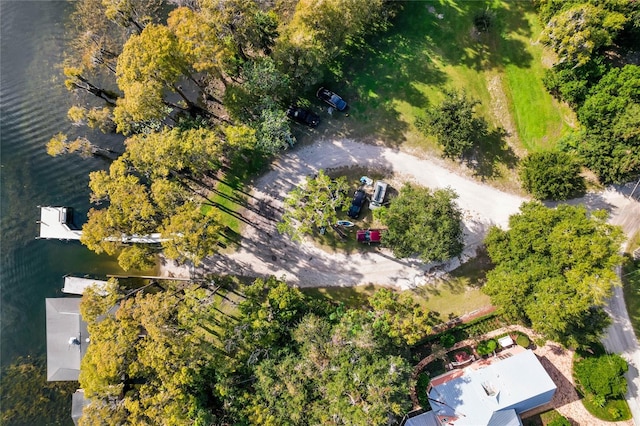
(331, 98)
(303, 116)
(356, 204)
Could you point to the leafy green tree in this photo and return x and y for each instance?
(319, 30)
(610, 143)
(576, 33)
(454, 124)
(95, 118)
(313, 205)
(191, 235)
(60, 144)
(399, 316)
(151, 361)
(603, 376)
(554, 270)
(174, 152)
(199, 40)
(261, 86)
(572, 84)
(330, 380)
(551, 175)
(149, 67)
(424, 223)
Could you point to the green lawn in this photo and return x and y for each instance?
(389, 82)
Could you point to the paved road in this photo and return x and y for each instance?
(620, 337)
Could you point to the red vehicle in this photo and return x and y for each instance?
(368, 236)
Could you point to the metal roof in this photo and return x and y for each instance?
(67, 338)
(489, 386)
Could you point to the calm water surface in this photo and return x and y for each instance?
(33, 105)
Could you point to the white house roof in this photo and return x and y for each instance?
(66, 338)
(471, 396)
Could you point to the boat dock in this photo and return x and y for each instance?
(57, 223)
(76, 285)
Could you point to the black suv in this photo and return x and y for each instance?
(357, 203)
(303, 116)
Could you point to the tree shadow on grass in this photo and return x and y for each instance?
(493, 152)
(384, 71)
(460, 42)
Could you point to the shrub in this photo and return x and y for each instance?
(486, 347)
(551, 176)
(523, 341)
(421, 390)
(560, 421)
(447, 340)
(602, 376)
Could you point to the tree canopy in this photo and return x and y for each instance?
(603, 375)
(610, 142)
(551, 175)
(179, 355)
(454, 124)
(554, 269)
(424, 223)
(577, 32)
(314, 204)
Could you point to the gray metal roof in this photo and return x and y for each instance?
(425, 419)
(78, 402)
(66, 338)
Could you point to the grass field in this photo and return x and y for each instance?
(403, 71)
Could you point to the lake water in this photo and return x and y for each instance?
(33, 105)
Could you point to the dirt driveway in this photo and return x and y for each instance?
(264, 251)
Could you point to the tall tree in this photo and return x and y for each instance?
(60, 144)
(149, 68)
(454, 124)
(576, 33)
(610, 143)
(554, 270)
(424, 223)
(313, 205)
(151, 361)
